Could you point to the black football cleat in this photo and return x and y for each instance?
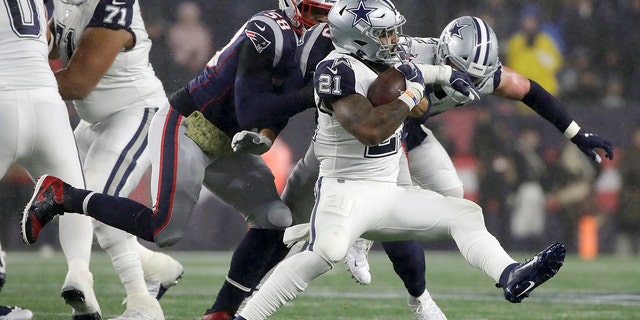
(45, 204)
(533, 272)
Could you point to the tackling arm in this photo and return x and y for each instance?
(514, 86)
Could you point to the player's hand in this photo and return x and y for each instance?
(461, 82)
(252, 142)
(587, 142)
(415, 84)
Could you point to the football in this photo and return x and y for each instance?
(387, 87)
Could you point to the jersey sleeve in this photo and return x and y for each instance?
(334, 78)
(113, 14)
(316, 44)
(267, 53)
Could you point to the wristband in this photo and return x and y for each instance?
(409, 99)
(571, 130)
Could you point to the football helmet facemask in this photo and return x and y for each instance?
(371, 30)
(470, 45)
(300, 11)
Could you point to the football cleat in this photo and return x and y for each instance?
(45, 204)
(77, 292)
(133, 315)
(15, 313)
(142, 307)
(3, 268)
(218, 315)
(356, 260)
(424, 308)
(533, 272)
(161, 272)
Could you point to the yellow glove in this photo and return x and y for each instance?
(206, 135)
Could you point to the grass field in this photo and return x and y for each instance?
(606, 288)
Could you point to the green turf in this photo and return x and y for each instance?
(607, 288)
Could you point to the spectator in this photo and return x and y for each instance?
(533, 52)
(571, 191)
(580, 81)
(496, 172)
(528, 214)
(190, 43)
(628, 217)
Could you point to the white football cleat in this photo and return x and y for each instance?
(3, 268)
(161, 272)
(424, 308)
(356, 260)
(15, 313)
(142, 307)
(77, 292)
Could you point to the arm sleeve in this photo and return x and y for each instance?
(547, 106)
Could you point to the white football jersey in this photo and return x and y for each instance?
(131, 77)
(423, 50)
(341, 155)
(23, 39)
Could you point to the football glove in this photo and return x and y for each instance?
(252, 142)
(446, 76)
(206, 135)
(587, 142)
(415, 84)
(460, 82)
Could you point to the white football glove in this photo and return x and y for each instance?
(252, 142)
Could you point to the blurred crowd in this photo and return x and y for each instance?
(533, 184)
(581, 50)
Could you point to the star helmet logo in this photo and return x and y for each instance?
(456, 29)
(361, 13)
(259, 41)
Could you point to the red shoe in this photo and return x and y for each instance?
(45, 204)
(218, 315)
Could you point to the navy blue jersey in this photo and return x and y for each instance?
(240, 87)
(316, 44)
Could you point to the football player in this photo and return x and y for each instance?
(470, 45)
(104, 49)
(35, 128)
(359, 150)
(250, 83)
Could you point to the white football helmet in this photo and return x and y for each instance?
(357, 26)
(299, 11)
(470, 45)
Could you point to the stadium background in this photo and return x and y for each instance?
(586, 46)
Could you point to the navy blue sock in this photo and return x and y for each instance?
(504, 276)
(122, 213)
(409, 263)
(257, 253)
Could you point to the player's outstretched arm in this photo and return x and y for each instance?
(514, 86)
